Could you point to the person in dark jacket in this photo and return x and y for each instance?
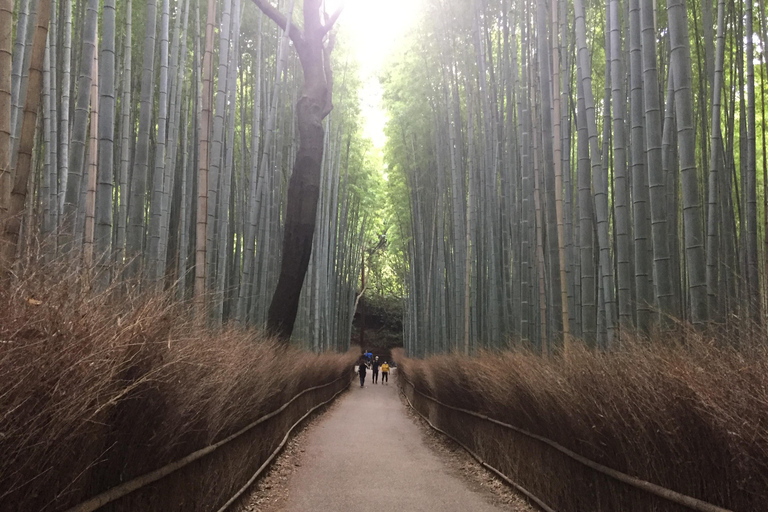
(375, 370)
(361, 371)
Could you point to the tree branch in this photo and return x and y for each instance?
(279, 18)
(272, 12)
(332, 20)
(360, 296)
(328, 74)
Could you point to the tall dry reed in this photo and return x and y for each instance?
(691, 416)
(98, 388)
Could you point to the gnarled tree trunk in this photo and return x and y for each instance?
(304, 187)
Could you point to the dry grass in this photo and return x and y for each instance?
(100, 388)
(690, 416)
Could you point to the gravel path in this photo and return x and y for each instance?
(367, 454)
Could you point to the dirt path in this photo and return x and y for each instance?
(367, 454)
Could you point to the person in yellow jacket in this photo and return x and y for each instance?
(385, 373)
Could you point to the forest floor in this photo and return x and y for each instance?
(369, 452)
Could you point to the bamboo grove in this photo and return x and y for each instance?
(579, 168)
(154, 140)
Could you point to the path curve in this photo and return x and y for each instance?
(366, 454)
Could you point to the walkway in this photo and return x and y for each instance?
(366, 454)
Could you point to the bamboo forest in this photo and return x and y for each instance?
(352, 255)
(552, 170)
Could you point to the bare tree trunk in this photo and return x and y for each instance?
(753, 280)
(249, 240)
(178, 61)
(526, 226)
(106, 138)
(136, 213)
(537, 200)
(304, 186)
(653, 131)
(22, 48)
(6, 25)
(158, 193)
(621, 189)
(471, 232)
(66, 60)
(586, 230)
(48, 169)
(694, 238)
(12, 220)
(227, 203)
(80, 126)
(640, 194)
(185, 202)
(126, 134)
(715, 258)
(558, 161)
(202, 187)
(553, 223)
(53, 148)
(93, 148)
(216, 147)
(671, 177)
(600, 181)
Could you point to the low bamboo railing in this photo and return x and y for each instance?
(127, 496)
(670, 497)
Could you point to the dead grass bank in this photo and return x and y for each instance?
(100, 388)
(691, 417)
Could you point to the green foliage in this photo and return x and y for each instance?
(406, 84)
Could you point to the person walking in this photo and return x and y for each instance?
(375, 370)
(385, 373)
(361, 371)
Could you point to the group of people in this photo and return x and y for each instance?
(368, 361)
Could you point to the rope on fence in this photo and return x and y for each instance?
(643, 485)
(487, 466)
(140, 481)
